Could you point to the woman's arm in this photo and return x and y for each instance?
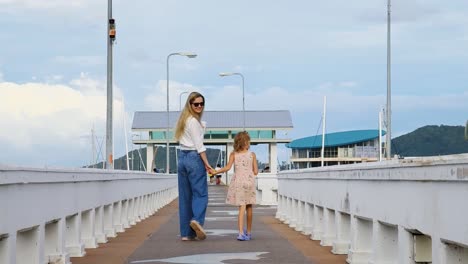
(254, 164)
(207, 164)
(195, 130)
(228, 166)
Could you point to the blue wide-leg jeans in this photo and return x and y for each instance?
(193, 191)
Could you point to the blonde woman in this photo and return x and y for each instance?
(192, 168)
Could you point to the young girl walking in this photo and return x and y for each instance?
(241, 191)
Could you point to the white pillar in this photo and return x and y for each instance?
(318, 223)
(27, 246)
(361, 241)
(284, 208)
(273, 157)
(54, 242)
(150, 157)
(329, 228)
(308, 219)
(300, 216)
(144, 207)
(8, 248)
(73, 236)
(343, 227)
(385, 243)
(158, 199)
(279, 208)
(439, 251)
(87, 229)
(287, 211)
(109, 229)
(117, 217)
(136, 211)
(99, 225)
(4, 247)
(125, 216)
(40, 244)
(405, 246)
(131, 211)
(452, 253)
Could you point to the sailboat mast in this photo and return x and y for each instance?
(323, 129)
(125, 132)
(380, 136)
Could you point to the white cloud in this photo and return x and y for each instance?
(157, 100)
(44, 12)
(47, 117)
(347, 84)
(43, 4)
(80, 60)
(309, 99)
(442, 102)
(367, 37)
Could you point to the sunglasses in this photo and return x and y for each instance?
(199, 104)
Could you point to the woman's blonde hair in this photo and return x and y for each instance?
(186, 113)
(241, 140)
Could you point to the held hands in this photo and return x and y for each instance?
(211, 170)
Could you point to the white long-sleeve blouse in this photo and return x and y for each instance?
(192, 139)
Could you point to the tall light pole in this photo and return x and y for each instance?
(224, 74)
(188, 55)
(388, 138)
(110, 41)
(180, 100)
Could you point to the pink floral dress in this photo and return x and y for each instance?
(241, 190)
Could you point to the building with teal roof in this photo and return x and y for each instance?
(346, 147)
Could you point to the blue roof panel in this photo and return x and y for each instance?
(335, 139)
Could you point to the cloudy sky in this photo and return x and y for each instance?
(292, 54)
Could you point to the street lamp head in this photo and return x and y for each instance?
(190, 55)
(223, 74)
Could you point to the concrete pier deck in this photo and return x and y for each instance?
(156, 240)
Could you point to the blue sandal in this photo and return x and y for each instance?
(241, 237)
(248, 236)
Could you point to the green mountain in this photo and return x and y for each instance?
(137, 159)
(431, 141)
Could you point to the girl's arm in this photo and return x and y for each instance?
(228, 165)
(254, 164)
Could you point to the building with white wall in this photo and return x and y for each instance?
(346, 147)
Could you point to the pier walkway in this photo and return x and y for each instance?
(156, 240)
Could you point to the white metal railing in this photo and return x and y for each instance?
(50, 215)
(399, 211)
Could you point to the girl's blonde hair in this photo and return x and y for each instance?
(186, 113)
(241, 140)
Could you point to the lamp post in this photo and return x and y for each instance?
(109, 161)
(180, 100)
(188, 55)
(389, 86)
(224, 74)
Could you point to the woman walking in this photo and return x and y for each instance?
(191, 170)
